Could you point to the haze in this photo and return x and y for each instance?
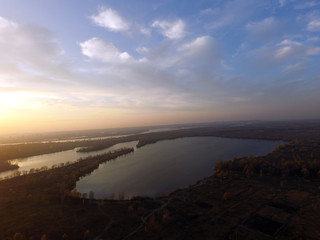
(101, 64)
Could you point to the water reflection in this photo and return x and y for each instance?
(158, 168)
(88, 138)
(73, 139)
(58, 159)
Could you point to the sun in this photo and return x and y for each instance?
(14, 101)
(16, 109)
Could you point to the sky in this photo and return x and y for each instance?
(90, 64)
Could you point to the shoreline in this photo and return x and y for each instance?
(222, 205)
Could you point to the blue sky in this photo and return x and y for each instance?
(98, 64)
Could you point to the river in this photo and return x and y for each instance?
(57, 159)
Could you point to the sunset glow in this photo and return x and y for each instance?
(90, 64)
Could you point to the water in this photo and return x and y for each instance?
(74, 139)
(156, 130)
(87, 138)
(158, 168)
(57, 159)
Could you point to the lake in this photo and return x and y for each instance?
(156, 169)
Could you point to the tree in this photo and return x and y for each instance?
(305, 171)
(121, 196)
(91, 195)
(153, 225)
(18, 236)
(86, 234)
(226, 196)
(130, 208)
(74, 192)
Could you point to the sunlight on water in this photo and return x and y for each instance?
(44, 161)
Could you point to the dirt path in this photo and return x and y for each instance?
(108, 225)
(145, 218)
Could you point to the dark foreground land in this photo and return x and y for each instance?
(272, 197)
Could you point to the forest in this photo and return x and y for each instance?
(276, 196)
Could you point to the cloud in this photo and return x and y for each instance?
(34, 69)
(314, 39)
(283, 52)
(282, 2)
(144, 30)
(200, 43)
(29, 50)
(289, 48)
(313, 51)
(203, 47)
(314, 25)
(172, 30)
(233, 13)
(110, 19)
(207, 11)
(7, 24)
(199, 52)
(264, 30)
(176, 76)
(101, 50)
(305, 5)
(294, 67)
(196, 71)
(289, 42)
(240, 49)
(27, 42)
(274, 59)
(142, 50)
